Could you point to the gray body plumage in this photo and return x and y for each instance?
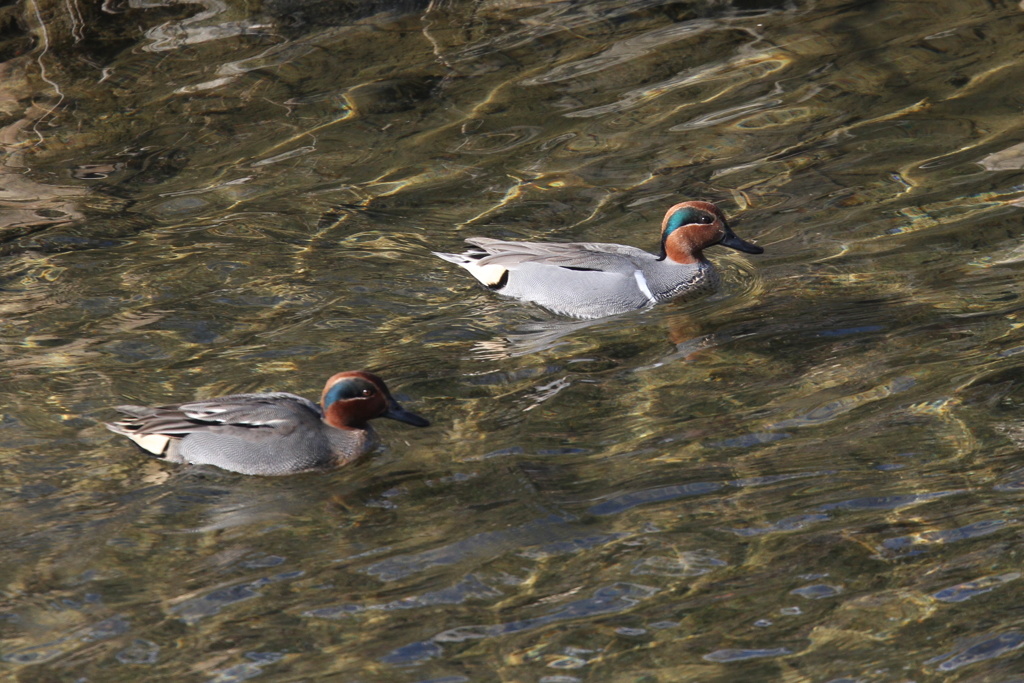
(269, 434)
(582, 279)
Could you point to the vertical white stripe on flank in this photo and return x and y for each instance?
(641, 282)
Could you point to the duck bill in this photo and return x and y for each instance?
(397, 412)
(733, 242)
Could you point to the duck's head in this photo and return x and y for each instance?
(351, 399)
(691, 227)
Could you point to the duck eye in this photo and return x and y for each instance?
(349, 388)
(706, 219)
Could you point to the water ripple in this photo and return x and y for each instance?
(487, 544)
(995, 646)
(469, 588)
(724, 656)
(607, 600)
(969, 589)
(627, 501)
(888, 502)
(624, 51)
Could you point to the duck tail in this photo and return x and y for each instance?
(457, 259)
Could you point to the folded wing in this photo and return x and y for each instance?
(249, 417)
(614, 258)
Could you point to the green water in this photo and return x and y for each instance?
(813, 475)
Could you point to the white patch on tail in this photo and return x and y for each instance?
(151, 443)
(489, 275)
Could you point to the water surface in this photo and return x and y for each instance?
(812, 475)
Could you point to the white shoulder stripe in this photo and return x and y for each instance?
(641, 282)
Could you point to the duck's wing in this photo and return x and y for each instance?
(583, 256)
(245, 416)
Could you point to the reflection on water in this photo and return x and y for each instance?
(811, 475)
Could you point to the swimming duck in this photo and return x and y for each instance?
(593, 280)
(273, 433)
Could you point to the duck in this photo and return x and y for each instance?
(268, 434)
(588, 280)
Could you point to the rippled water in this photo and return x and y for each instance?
(813, 475)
